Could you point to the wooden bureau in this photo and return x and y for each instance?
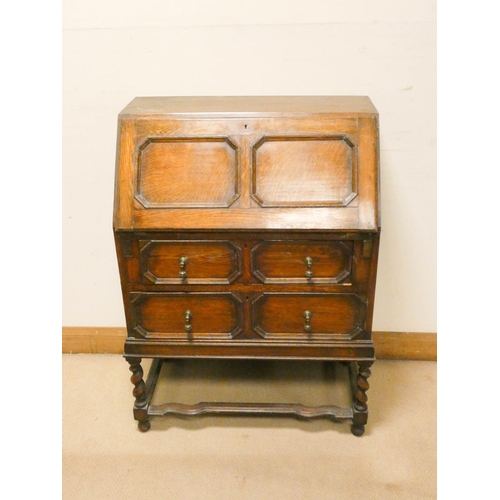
(248, 227)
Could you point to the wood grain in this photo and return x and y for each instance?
(284, 261)
(124, 175)
(268, 409)
(281, 316)
(93, 340)
(304, 171)
(388, 345)
(187, 172)
(335, 219)
(248, 105)
(163, 315)
(211, 262)
(405, 345)
(368, 172)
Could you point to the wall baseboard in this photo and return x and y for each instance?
(388, 345)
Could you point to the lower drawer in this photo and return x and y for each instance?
(302, 316)
(186, 316)
(273, 316)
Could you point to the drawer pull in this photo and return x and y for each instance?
(182, 264)
(187, 316)
(307, 317)
(309, 262)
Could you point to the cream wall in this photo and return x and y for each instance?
(114, 50)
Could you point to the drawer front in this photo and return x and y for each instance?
(189, 262)
(187, 316)
(313, 262)
(302, 316)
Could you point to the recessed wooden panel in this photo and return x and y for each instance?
(163, 315)
(210, 262)
(187, 172)
(304, 171)
(312, 262)
(281, 315)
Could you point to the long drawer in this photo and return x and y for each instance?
(272, 316)
(230, 259)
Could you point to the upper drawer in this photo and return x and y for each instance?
(189, 262)
(312, 262)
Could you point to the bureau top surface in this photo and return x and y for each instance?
(250, 105)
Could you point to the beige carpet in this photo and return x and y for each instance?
(106, 457)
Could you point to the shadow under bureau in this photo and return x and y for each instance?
(248, 227)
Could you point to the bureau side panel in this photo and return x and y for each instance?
(372, 281)
(369, 173)
(124, 175)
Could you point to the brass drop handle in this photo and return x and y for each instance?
(182, 265)
(187, 316)
(307, 317)
(309, 262)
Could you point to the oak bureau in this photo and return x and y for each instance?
(248, 227)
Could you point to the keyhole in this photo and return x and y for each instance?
(246, 126)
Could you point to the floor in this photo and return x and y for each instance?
(106, 457)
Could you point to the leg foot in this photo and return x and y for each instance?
(144, 425)
(358, 430)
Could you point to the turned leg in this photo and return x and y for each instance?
(360, 408)
(139, 392)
